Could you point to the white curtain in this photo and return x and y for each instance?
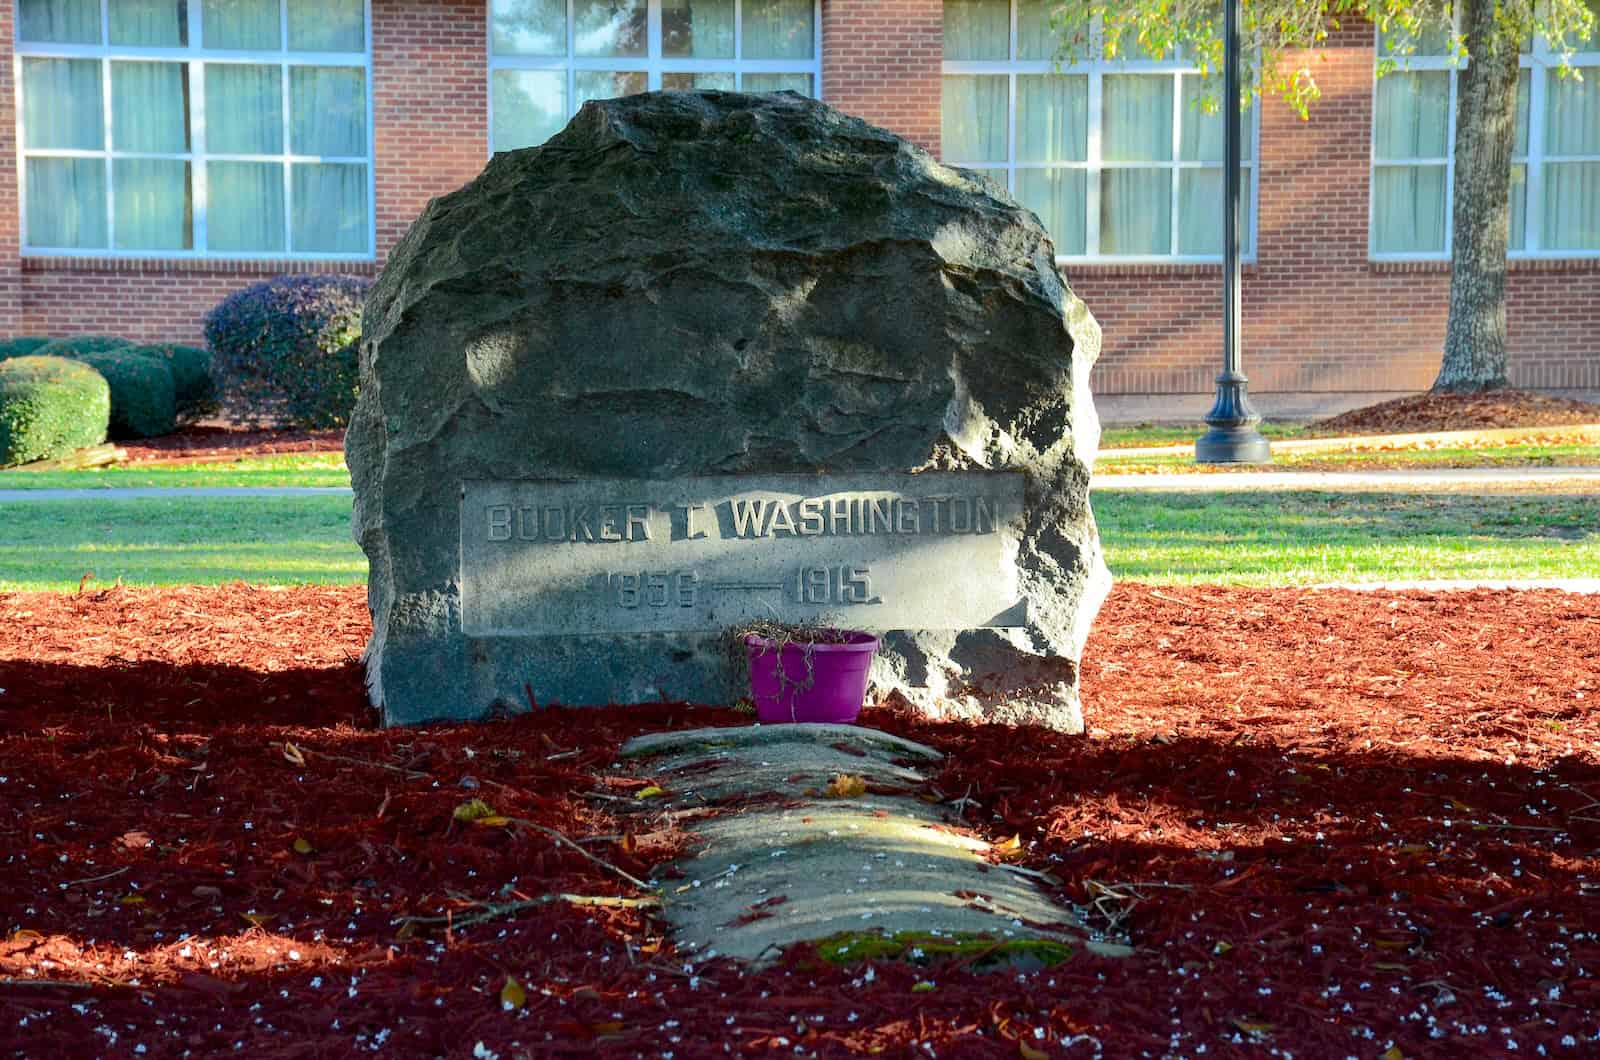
(59, 21)
(157, 23)
(244, 109)
(1136, 211)
(974, 119)
(1519, 207)
(528, 27)
(61, 104)
(66, 203)
(1137, 118)
(1035, 39)
(1408, 209)
(1200, 211)
(530, 106)
(1059, 197)
(1052, 118)
(248, 25)
(328, 111)
(244, 207)
(977, 29)
(154, 209)
(329, 209)
(778, 29)
(800, 83)
(1572, 206)
(327, 26)
(150, 107)
(701, 29)
(1411, 120)
(610, 28)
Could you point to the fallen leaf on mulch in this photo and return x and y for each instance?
(846, 786)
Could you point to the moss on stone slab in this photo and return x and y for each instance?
(922, 948)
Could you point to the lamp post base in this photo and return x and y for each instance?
(1233, 438)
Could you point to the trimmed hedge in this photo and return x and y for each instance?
(74, 345)
(21, 346)
(143, 398)
(284, 350)
(50, 406)
(195, 392)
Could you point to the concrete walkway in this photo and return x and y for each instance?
(1238, 481)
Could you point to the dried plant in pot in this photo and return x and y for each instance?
(805, 673)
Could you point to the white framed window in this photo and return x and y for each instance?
(195, 128)
(1555, 161)
(547, 57)
(1118, 158)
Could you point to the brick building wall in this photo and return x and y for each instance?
(1318, 314)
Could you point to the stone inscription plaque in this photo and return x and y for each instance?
(935, 550)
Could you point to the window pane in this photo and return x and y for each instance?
(1137, 124)
(329, 111)
(59, 22)
(1572, 206)
(608, 84)
(977, 29)
(67, 203)
(702, 29)
(778, 29)
(1060, 198)
(530, 106)
(529, 27)
(800, 83)
(61, 104)
(1572, 115)
(1434, 39)
(150, 107)
(1412, 119)
(244, 207)
(1519, 207)
(1136, 211)
(686, 82)
(327, 26)
(330, 209)
(973, 122)
(1052, 119)
(1201, 209)
(244, 109)
(610, 27)
(1408, 209)
(241, 24)
(154, 209)
(1520, 147)
(1035, 39)
(1200, 133)
(157, 23)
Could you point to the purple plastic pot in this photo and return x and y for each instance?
(829, 690)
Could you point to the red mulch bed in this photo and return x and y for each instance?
(1459, 412)
(1331, 822)
(203, 443)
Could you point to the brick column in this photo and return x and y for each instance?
(430, 87)
(881, 61)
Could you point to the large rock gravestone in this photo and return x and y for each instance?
(709, 358)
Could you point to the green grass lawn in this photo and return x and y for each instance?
(1279, 538)
(1149, 435)
(286, 469)
(1407, 459)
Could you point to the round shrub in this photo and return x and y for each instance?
(73, 345)
(50, 406)
(22, 346)
(143, 404)
(283, 351)
(196, 394)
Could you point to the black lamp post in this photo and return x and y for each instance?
(1233, 438)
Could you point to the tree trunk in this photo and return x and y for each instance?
(1486, 115)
